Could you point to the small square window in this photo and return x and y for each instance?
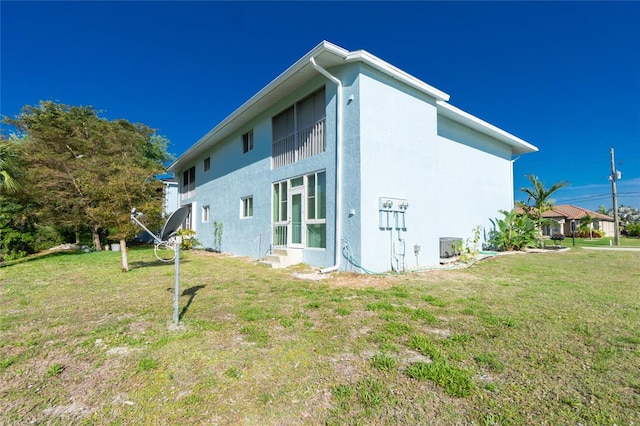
(247, 141)
(205, 214)
(207, 164)
(247, 207)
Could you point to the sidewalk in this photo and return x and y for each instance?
(613, 248)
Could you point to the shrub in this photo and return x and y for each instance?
(633, 229)
(515, 232)
(557, 237)
(217, 236)
(189, 241)
(584, 232)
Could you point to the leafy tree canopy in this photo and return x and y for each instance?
(83, 170)
(539, 197)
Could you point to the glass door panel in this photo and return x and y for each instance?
(296, 218)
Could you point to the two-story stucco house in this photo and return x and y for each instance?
(347, 162)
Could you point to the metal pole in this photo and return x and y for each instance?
(614, 177)
(176, 295)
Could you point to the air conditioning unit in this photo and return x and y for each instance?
(450, 247)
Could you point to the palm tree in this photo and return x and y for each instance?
(8, 166)
(540, 196)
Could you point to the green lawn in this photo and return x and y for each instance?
(599, 242)
(545, 338)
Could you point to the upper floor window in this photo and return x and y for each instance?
(189, 182)
(247, 141)
(207, 164)
(299, 131)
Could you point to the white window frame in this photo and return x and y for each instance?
(246, 207)
(188, 184)
(281, 211)
(298, 142)
(316, 212)
(205, 214)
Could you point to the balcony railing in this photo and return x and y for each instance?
(305, 143)
(280, 235)
(188, 191)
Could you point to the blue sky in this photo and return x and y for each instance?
(562, 76)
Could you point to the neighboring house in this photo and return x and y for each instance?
(171, 195)
(349, 163)
(170, 202)
(562, 215)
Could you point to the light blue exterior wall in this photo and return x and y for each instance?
(395, 144)
(234, 175)
(351, 163)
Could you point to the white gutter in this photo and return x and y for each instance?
(513, 195)
(338, 83)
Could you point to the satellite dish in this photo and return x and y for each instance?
(174, 223)
(169, 229)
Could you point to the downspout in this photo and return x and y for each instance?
(513, 200)
(338, 236)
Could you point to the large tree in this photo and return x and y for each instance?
(86, 171)
(539, 198)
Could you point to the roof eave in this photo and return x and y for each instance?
(327, 55)
(396, 73)
(519, 146)
(194, 150)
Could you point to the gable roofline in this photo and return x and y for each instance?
(328, 55)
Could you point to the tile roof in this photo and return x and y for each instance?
(568, 211)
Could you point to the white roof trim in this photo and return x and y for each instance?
(397, 73)
(218, 130)
(456, 114)
(328, 55)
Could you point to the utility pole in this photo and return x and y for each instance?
(615, 175)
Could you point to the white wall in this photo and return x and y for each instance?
(407, 152)
(171, 197)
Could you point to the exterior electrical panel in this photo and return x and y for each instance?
(392, 212)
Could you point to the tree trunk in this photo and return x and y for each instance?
(125, 260)
(96, 239)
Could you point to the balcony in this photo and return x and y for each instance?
(188, 191)
(303, 144)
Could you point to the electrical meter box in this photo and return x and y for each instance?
(391, 213)
(389, 204)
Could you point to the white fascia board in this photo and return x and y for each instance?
(396, 73)
(327, 55)
(520, 146)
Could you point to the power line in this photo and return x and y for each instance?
(596, 197)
